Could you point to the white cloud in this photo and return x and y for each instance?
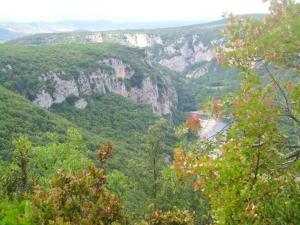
(125, 10)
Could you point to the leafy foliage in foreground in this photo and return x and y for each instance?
(15, 212)
(77, 199)
(178, 217)
(250, 174)
(254, 189)
(72, 195)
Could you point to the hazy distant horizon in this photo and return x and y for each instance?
(125, 11)
(203, 20)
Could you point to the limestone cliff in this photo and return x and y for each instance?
(180, 49)
(184, 52)
(176, 54)
(100, 81)
(187, 51)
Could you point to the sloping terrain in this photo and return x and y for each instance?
(177, 48)
(6, 35)
(52, 73)
(110, 117)
(187, 51)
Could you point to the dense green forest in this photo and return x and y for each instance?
(115, 161)
(19, 116)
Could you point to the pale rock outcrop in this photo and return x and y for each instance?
(188, 54)
(176, 63)
(94, 38)
(81, 103)
(140, 40)
(170, 50)
(9, 67)
(99, 81)
(44, 99)
(122, 70)
(201, 71)
(63, 88)
(162, 103)
(6, 68)
(205, 55)
(84, 84)
(186, 51)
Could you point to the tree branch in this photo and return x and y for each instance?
(286, 99)
(295, 154)
(220, 131)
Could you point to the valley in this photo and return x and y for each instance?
(188, 52)
(109, 123)
(112, 86)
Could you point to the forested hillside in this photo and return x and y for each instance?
(110, 117)
(187, 51)
(50, 74)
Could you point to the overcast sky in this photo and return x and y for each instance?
(124, 10)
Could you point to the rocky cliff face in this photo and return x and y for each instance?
(140, 40)
(179, 49)
(177, 54)
(102, 81)
(187, 51)
(184, 52)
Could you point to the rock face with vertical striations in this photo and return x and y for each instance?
(180, 49)
(101, 82)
